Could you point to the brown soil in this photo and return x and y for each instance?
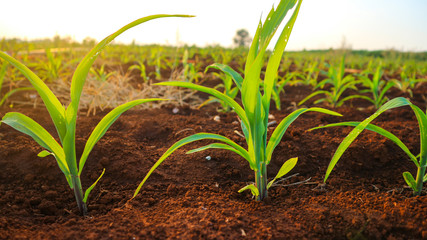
(190, 197)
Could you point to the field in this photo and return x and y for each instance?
(195, 196)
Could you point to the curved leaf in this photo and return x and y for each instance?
(8, 94)
(286, 167)
(409, 179)
(87, 192)
(28, 126)
(83, 68)
(184, 141)
(276, 57)
(104, 124)
(238, 80)
(422, 123)
(237, 108)
(341, 102)
(312, 95)
(53, 106)
(243, 154)
(378, 130)
(253, 188)
(396, 102)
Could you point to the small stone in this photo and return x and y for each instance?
(175, 110)
(217, 118)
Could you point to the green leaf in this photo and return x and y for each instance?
(187, 140)
(237, 108)
(396, 102)
(378, 130)
(243, 154)
(238, 80)
(87, 192)
(286, 167)
(280, 130)
(312, 95)
(3, 70)
(251, 187)
(409, 179)
(54, 107)
(83, 68)
(425, 178)
(44, 153)
(422, 123)
(13, 91)
(105, 124)
(28, 126)
(275, 59)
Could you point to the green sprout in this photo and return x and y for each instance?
(65, 119)
(420, 160)
(376, 87)
(101, 74)
(227, 85)
(339, 84)
(255, 111)
(11, 92)
(140, 66)
(407, 81)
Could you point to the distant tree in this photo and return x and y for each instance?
(242, 38)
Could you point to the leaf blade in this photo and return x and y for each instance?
(105, 123)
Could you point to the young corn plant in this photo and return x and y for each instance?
(101, 74)
(376, 87)
(311, 73)
(407, 82)
(227, 85)
(11, 92)
(140, 66)
(339, 83)
(52, 68)
(65, 119)
(255, 110)
(420, 160)
(278, 87)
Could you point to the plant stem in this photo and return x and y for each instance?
(420, 175)
(78, 192)
(261, 182)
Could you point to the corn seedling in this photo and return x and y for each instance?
(140, 66)
(65, 119)
(420, 160)
(339, 83)
(255, 111)
(189, 72)
(10, 92)
(101, 74)
(376, 87)
(52, 69)
(407, 82)
(311, 73)
(227, 85)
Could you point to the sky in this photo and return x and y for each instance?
(321, 24)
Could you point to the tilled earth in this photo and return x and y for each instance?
(191, 197)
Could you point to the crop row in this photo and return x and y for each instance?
(330, 75)
(259, 84)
